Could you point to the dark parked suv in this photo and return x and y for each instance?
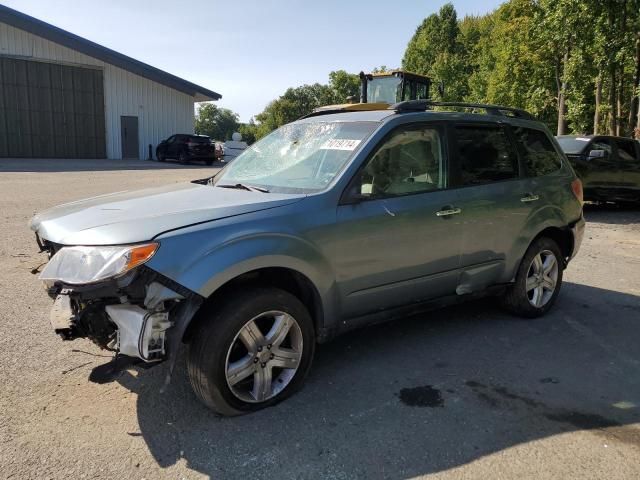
(332, 222)
(609, 167)
(185, 148)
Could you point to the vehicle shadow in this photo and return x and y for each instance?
(421, 395)
(53, 165)
(612, 213)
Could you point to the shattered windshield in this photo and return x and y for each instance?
(297, 158)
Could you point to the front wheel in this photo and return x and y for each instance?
(182, 158)
(251, 352)
(160, 156)
(538, 280)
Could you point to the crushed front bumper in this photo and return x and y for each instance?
(142, 315)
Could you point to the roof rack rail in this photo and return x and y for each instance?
(498, 110)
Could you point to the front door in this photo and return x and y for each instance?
(601, 171)
(129, 136)
(399, 243)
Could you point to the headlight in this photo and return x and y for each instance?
(81, 265)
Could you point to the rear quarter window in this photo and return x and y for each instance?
(200, 139)
(539, 155)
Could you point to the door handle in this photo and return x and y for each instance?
(530, 197)
(449, 211)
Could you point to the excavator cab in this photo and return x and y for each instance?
(381, 90)
(393, 87)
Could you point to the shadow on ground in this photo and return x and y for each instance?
(51, 165)
(420, 395)
(612, 213)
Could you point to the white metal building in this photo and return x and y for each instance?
(62, 96)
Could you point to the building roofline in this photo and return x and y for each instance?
(62, 37)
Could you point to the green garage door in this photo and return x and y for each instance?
(50, 111)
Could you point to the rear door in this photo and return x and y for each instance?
(174, 146)
(490, 189)
(629, 166)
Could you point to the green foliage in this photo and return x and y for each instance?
(344, 85)
(533, 53)
(436, 50)
(248, 131)
(218, 123)
(299, 101)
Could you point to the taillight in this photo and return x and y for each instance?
(576, 188)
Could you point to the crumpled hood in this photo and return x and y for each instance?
(140, 215)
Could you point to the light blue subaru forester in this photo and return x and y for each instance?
(335, 221)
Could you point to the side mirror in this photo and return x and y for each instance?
(355, 194)
(593, 154)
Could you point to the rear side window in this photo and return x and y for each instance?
(539, 155)
(485, 155)
(626, 150)
(200, 139)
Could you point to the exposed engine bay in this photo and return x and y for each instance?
(131, 315)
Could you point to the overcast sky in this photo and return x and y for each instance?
(249, 51)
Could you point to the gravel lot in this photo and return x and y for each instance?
(464, 392)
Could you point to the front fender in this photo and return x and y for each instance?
(203, 261)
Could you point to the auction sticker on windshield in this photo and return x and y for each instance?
(340, 144)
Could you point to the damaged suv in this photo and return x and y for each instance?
(335, 221)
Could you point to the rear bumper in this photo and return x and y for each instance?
(577, 230)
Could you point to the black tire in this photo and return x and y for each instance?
(160, 156)
(209, 162)
(219, 326)
(517, 299)
(182, 158)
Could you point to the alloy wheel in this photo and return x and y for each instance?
(542, 278)
(264, 356)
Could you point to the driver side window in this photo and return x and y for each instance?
(409, 161)
(603, 145)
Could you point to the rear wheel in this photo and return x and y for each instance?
(251, 352)
(538, 280)
(182, 158)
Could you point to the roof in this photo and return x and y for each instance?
(414, 116)
(92, 49)
(349, 116)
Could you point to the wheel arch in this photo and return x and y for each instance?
(562, 236)
(288, 279)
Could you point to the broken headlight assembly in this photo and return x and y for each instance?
(82, 265)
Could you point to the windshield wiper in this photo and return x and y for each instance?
(243, 186)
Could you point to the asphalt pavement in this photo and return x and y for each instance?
(463, 392)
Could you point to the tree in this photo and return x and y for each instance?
(343, 85)
(299, 101)
(248, 131)
(218, 123)
(436, 50)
